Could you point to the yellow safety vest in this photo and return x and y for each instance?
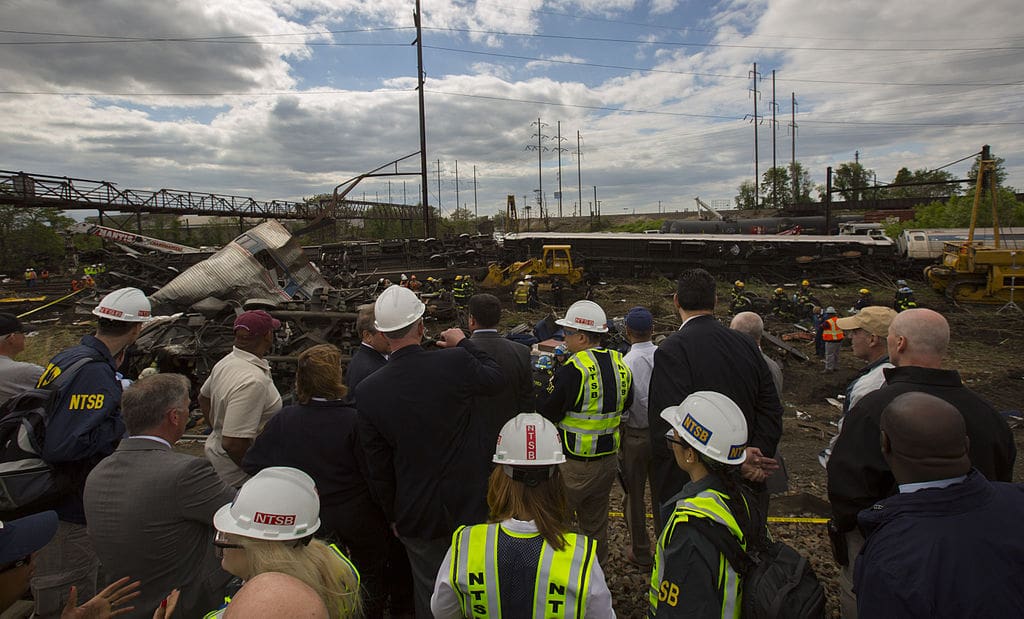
(521, 295)
(712, 505)
(587, 421)
(216, 614)
(563, 576)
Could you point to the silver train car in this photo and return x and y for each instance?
(925, 245)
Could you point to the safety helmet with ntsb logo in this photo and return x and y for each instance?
(278, 503)
(712, 424)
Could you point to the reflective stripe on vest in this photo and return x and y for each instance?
(582, 426)
(562, 577)
(522, 295)
(832, 332)
(709, 504)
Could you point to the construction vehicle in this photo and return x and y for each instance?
(555, 262)
(975, 271)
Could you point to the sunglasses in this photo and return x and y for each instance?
(22, 562)
(221, 542)
(677, 441)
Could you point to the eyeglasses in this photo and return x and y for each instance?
(22, 562)
(220, 542)
(677, 441)
(567, 331)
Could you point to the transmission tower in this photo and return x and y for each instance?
(540, 148)
(755, 120)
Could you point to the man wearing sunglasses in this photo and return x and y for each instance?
(15, 376)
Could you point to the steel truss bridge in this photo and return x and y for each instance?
(21, 189)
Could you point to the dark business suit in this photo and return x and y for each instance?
(516, 395)
(150, 513)
(365, 361)
(427, 469)
(704, 355)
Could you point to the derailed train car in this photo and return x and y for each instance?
(632, 254)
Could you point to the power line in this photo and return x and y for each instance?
(722, 45)
(720, 75)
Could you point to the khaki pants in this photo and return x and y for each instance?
(635, 456)
(69, 559)
(847, 600)
(588, 484)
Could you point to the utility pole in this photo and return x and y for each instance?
(792, 164)
(828, 200)
(440, 213)
(423, 122)
(405, 194)
(457, 203)
(559, 148)
(579, 177)
(659, 207)
(476, 213)
(597, 205)
(756, 119)
(540, 162)
(775, 180)
(389, 192)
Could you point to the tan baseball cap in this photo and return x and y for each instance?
(874, 319)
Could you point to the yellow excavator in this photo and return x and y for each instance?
(555, 262)
(972, 271)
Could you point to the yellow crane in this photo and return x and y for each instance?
(973, 271)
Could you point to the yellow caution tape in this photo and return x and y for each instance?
(33, 311)
(783, 519)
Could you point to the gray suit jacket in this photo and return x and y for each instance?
(516, 395)
(150, 516)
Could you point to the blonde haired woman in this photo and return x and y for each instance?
(269, 527)
(524, 562)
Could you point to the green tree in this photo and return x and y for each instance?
(922, 191)
(849, 179)
(746, 199)
(1000, 172)
(776, 190)
(31, 237)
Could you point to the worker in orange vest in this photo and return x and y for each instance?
(833, 337)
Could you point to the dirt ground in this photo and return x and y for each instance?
(986, 347)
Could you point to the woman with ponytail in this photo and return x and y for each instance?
(691, 578)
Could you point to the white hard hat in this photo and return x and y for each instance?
(278, 503)
(528, 439)
(712, 424)
(125, 305)
(396, 308)
(585, 316)
(830, 310)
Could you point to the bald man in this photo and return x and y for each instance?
(858, 474)
(949, 544)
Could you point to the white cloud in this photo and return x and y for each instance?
(290, 133)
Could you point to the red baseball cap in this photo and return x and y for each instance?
(257, 322)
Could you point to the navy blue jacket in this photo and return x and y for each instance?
(320, 438)
(86, 425)
(365, 361)
(944, 552)
(427, 470)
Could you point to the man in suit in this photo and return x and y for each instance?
(514, 359)
(150, 510)
(704, 355)
(426, 468)
(370, 355)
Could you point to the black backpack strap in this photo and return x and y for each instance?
(66, 376)
(791, 583)
(726, 543)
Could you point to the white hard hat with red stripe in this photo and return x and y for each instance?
(528, 439)
(278, 503)
(125, 305)
(585, 316)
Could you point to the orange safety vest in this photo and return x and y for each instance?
(832, 332)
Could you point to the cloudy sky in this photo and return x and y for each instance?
(287, 98)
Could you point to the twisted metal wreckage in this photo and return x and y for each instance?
(263, 268)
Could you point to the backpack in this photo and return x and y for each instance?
(777, 581)
(28, 483)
